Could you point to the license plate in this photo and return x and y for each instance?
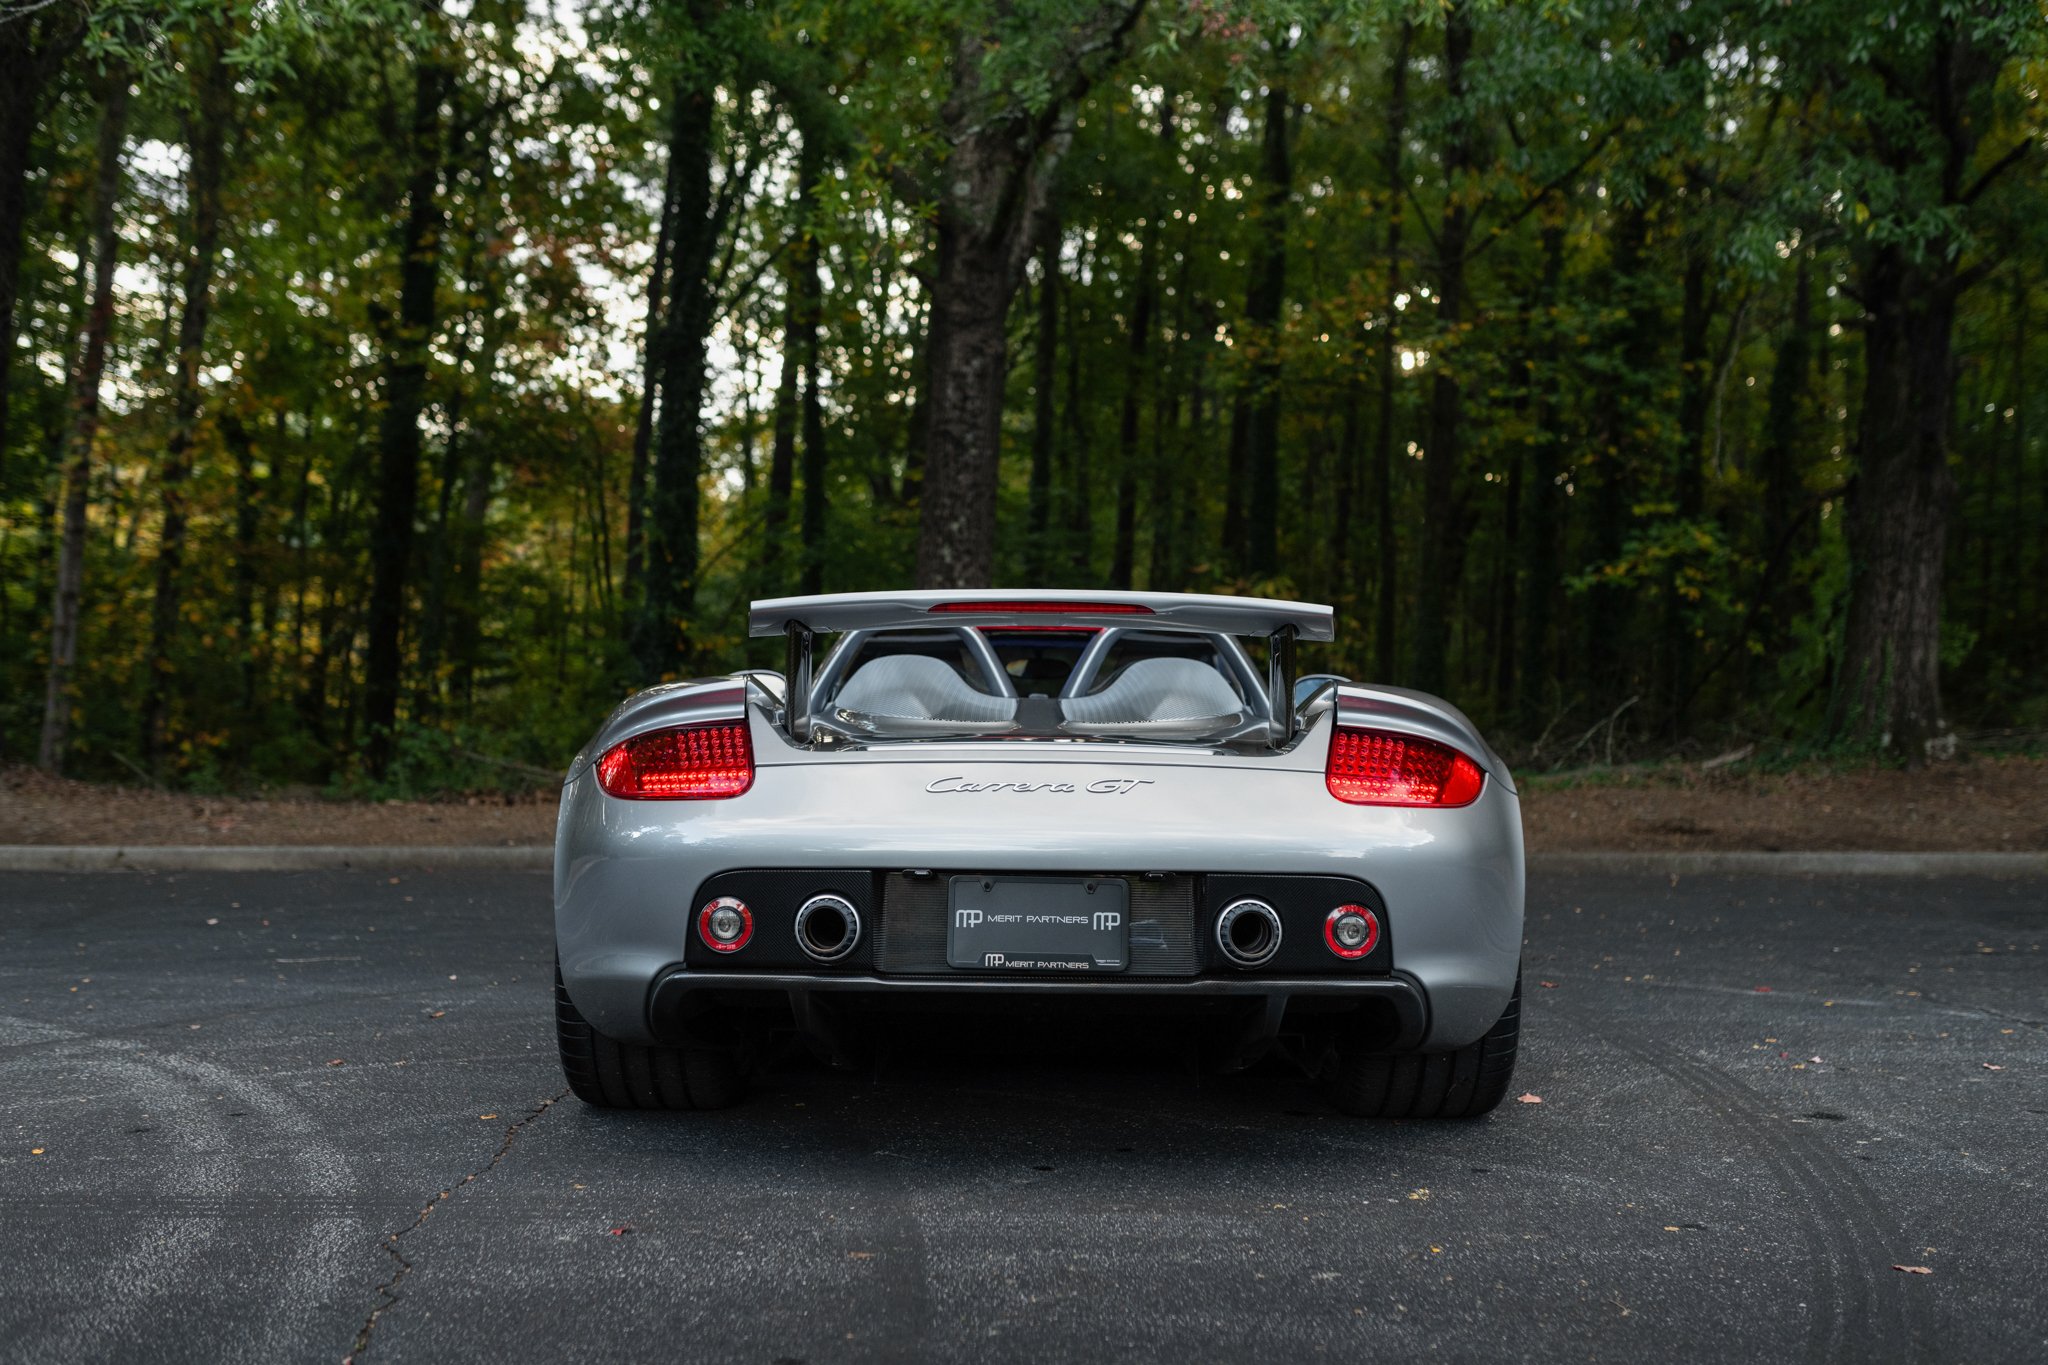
(1038, 924)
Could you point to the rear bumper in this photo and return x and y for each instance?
(1264, 1006)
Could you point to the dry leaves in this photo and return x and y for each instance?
(1915, 1269)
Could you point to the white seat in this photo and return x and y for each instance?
(1155, 692)
(920, 688)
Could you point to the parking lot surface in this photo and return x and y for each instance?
(255, 1117)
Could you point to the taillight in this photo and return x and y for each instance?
(1376, 768)
(689, 763)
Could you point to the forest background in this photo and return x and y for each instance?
(393, 385)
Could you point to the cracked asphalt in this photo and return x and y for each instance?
(251, 1117)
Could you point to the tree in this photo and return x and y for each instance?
(85, 421)
(1005, 124)
(1917, 113)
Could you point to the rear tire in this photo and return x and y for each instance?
(614, 1075)
(1429, 1085)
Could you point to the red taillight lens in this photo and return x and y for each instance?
(691, 763)
(1375, 768)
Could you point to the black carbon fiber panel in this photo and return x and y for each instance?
(912, 937)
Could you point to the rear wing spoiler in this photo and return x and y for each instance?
(981, 607)
(802, 619)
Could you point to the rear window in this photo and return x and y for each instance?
(1039, 662)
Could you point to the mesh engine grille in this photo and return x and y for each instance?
(912, 938)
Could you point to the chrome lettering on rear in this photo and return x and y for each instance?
(1107, 786)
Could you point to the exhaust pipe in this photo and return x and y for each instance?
(1248, 932)
(827, 928)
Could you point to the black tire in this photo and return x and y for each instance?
(614, 1075)
(1429, 1085)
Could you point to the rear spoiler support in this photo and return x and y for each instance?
(797, 705)
(1280, 684)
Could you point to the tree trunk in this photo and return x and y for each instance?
(1443, 513)
(31, 47)
(662, 631)
(1077, 456)
(1607, 602)
(993, 193)
(1546, 503)
(782, 448)
(1124, 554)
(810, 321)
(407, 353)
(1787, 407)
(1169, 493)
(247, 574)
(1044, 376)
(1688, 479)
(213, 109)
(1385, 644)
(85, 419)
(650, 390)
(1262, 310)
(1887, 691)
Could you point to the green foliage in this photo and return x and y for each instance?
(1627, 512)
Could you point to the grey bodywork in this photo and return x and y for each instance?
(626, 872)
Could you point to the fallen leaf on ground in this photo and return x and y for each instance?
(1993, 1066)
(437, 1014)
(487, 1116)
(1420, 1195)
(622, 1230)
(1527, 1098)
(860, 1255)
(1915, 1269)
(35, 1151)
(1548, 985)
(335, 1061)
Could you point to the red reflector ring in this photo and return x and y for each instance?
(1378, 768)
(1366, 945)
(688, 763)
(712, 941)
(1047, 608)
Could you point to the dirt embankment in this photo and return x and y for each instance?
(1975, 805)
(1998, 805)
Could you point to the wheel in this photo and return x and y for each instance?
(1429, 1085)
(615, 1075)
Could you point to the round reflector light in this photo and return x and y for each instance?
(725, 924)
(1351, 931)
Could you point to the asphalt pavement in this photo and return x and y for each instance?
(274, 1117)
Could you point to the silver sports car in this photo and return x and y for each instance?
(1024, 804)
